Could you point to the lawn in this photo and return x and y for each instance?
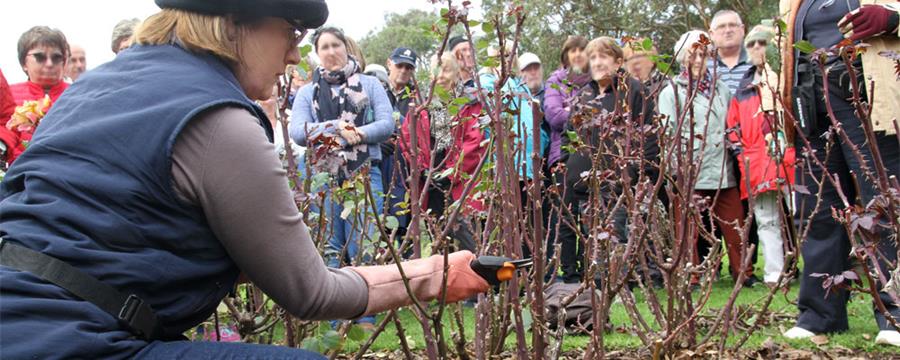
(860, 338)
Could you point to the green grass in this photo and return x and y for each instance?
(862, 325)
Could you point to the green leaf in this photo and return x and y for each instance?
(392, 223)
(805, 47)
(441, 93)
(332, 340)
(487, 27)
(647, 44)
(664, 68)
(313, 344)
(461, 100)
(781, 25)
(319, 180)
(356, 333)
(474, 23)
(527, 320)
(453, 110)
(482, 44)
(444, 12)
(445, 173)
(305, 50)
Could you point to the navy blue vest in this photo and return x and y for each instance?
(94, 189)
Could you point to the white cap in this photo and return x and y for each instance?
(528, 59)
(685, 42)
(377, 71)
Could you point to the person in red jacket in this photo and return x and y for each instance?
(8, 138)
(765, 159)
(456, 142)
(43, 54)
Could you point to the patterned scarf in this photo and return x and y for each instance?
(704, 85)
(441, 120)
(347, 102)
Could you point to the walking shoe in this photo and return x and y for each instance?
(797, 333)
(888, 337)
(750, 281)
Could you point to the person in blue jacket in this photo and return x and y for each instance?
(346, 114)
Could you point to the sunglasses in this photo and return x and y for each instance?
(754, 43)
(41, 58)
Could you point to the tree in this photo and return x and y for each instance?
(412, 29)
(549, 22)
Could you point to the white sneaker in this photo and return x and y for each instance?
(888, 337)
(797, 332)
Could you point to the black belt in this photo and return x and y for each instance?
(129, 310)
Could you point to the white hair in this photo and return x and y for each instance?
(721, 13)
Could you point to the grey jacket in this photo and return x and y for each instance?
(716, 164)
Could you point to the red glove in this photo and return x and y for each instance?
(868, 21)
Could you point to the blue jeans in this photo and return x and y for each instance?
(221, 350)
(344, 243)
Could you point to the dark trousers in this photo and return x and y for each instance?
(462, 231)
(826, 248)
(394, 173)
(572, 234)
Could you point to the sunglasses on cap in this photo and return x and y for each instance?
(753, 43)
(56, 58)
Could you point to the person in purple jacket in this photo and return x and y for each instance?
(561, 91)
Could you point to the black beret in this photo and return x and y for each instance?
(456, 40)
(309, 14)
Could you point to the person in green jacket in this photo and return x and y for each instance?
(699, 104)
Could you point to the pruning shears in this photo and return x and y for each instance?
(496, 269)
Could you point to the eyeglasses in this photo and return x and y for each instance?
(56, 58)
(755, 43)
(730, 25)
(298, 32)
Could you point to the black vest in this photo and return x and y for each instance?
(94, 189)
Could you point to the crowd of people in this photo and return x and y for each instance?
(727, 85)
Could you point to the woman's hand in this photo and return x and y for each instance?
(387, 289)
(462, 281)
(351, 134)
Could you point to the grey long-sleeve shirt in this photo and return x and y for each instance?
(223, 163)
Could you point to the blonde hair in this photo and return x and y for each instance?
(354, 49)
(198, 33)
(605, 45)
(636, 48)
(448, 61)
(494, 52)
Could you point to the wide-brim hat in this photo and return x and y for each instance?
(308, 14)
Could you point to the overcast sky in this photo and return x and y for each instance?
(90, 23)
